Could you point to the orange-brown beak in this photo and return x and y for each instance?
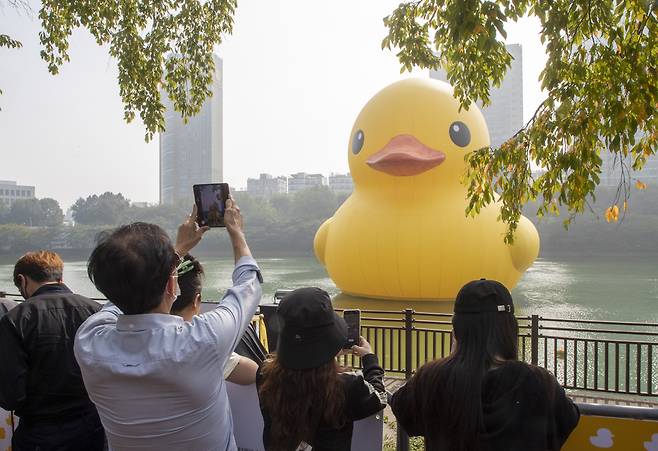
(405, 155)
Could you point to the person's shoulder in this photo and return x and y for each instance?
(84, 300)
(20, 310)
(70, 299)
(522, 371)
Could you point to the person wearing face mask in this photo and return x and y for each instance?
(155, 378)
(238, 369)
(39, 377)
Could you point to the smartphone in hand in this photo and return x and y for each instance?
(353, 320)
(210, 199)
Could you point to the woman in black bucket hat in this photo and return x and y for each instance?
(307, 400)
(481, 398)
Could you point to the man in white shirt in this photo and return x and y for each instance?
(156, 379)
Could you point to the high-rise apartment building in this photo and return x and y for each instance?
(301, 181)
(504, 115)
(10, 192)
(192, 153)
(611, 170)
(266, 185)
(341, 183)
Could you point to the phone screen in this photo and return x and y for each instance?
(353, 320)
(210, 199)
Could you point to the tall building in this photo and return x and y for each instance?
(341, 183)
(504, 115)
(301, 181)
(266, 186)
(192, 153)
(611, 170)
(10, 192)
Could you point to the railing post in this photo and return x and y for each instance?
(534, 339)
(408, 327)
(402, 437)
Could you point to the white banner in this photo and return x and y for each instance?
(248, 422)
(5, 430)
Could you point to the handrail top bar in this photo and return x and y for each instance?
(595, 340)
(607, 410)
(593, 321)
(606, 331)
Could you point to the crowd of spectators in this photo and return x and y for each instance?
(147, 369)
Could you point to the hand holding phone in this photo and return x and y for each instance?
(363, 348)
(353, 320)
(189, 234)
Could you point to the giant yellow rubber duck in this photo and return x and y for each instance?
(403, 233)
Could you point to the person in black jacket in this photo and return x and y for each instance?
(6, 305)
(39, 377)
(481, 398)
(307, 401)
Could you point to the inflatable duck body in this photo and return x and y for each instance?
(403, 233)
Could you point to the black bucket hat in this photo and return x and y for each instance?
(311, 332)
(484, 295)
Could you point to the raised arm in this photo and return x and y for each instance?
(367, 394)
(230, 319)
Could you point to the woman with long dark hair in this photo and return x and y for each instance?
(238, 369)
(481, 397)
(306, 399)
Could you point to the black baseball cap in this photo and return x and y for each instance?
(484, 295)
(311, 333)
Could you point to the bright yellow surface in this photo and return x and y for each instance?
(407, 237)
(595, 433)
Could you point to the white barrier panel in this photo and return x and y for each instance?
(248, 422)
(5, 430)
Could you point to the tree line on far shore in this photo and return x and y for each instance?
(286, 224)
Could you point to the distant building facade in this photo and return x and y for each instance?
(504, 115)
(266, 185)
(611, 170)
(192, 153)
(341, 183)
(10, 192)
(301, 181)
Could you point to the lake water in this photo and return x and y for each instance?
(607, 288)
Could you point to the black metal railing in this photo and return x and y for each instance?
(619, 357)
(602, 356)
(596, 356)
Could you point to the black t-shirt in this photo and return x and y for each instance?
(524, 409)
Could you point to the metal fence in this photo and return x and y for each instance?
(596, 356)
(599, 356)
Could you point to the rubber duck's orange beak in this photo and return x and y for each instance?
(405, 155)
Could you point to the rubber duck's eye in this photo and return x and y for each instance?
(357, 142)
(460, 134)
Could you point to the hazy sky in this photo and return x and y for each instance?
(296, 74)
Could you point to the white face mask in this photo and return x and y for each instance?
(177, 291)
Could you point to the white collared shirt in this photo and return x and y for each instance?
(157, 380)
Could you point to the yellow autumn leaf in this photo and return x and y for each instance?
(639, 185)
(612, 213)
(625, 205)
